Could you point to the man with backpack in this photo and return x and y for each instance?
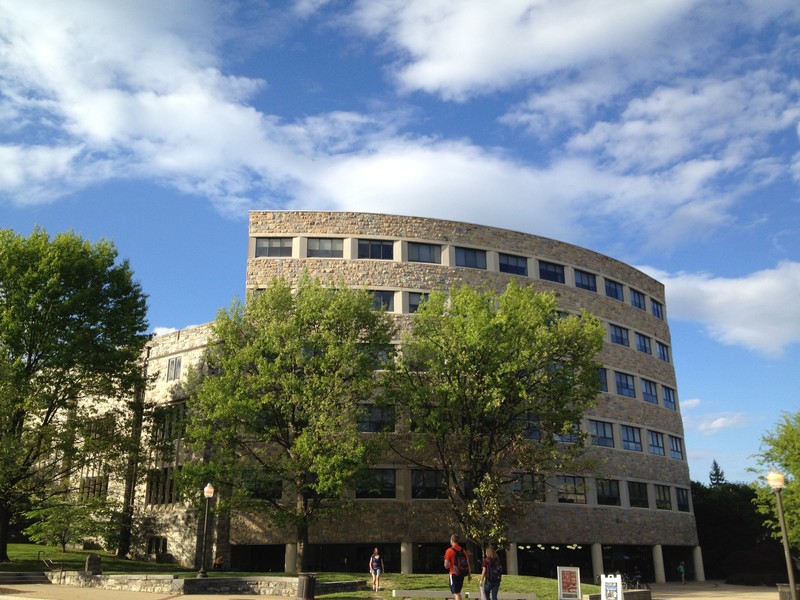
(457, 562)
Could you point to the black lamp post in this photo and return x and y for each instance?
(777, 482)
(208, 492)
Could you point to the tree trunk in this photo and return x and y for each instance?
(301, 533)
(5, 523)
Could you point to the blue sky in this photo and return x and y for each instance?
(663, 133)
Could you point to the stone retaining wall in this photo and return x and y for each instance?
(170, 584)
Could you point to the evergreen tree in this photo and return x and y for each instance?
(716, 475)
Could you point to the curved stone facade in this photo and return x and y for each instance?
(643, 519)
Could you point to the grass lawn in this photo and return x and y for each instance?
(26, 557)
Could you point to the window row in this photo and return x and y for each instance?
(564, 489)
(602, 434)
(620, 335)
(625, 385)
(473, 258)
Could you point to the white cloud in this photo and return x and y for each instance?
(690, 404)
(164, 330)
(716, 423)
(758, 311)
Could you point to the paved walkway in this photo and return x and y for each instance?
(666, 591)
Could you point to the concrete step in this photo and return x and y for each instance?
(23, 577)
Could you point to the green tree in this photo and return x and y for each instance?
(69, 520)
(781, 449)
(716, 476)
(278, 421)
(72, 323)
(493, 384)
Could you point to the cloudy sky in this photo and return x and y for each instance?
(663, 133)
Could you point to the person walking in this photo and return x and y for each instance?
(491, 573)
(457, 563)
(682, 571)
(376, 568)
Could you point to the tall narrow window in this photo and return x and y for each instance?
(638, 300)
(675, 447)
(657, 309)
(663, 351)
(649, 391)
(615, 290)
(384, 299)
(174, 368)
(551, 272)
(603, 379)
(637, 494)
(656, 440)
(425, 253)
(682, 495)
(516, 265)
(602, 433)
(663, 497)
(643, 343)
(668, 395)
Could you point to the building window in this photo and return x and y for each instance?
(637, 494)
(602, 433)
(470, 257)
(619, 335)
(425, 253)
(663, 497)
(93, 488)
(156, 545)
(638, 300)
(377, 249)
(374, 419)
(161, 487)
(615, 290)
(682, 496)
(325, 248)
(382, 483)
(668, 395)
(603, 379)
(551, 272)
(384, 300)
(174, 368)
(656, 442)
(426, 484)
(571, 489)
(262, 486)
(572, 435)
(273, 247)
(675, 447)
(529, 424)
(517, 265)
(585, 281)
(643, 343)
(649, 391)
(625, 384)
(608, 492)
(415, 299)
(657, 309)
(530, 487)
(663, 351)
(169, 422)
(631, 438)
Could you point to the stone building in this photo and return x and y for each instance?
(635, 513)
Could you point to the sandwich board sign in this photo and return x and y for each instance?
(569, 583)
(610, 587)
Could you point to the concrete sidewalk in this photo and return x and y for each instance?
(692, 590)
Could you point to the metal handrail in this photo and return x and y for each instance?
(48, 562)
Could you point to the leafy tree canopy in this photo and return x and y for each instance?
(493, 384)
(72, 323)
(781, 449)
(278, 421)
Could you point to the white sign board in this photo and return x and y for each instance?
(569, 583)
(610, 587)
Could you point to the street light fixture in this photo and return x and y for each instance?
(208, 492)
(777, 482)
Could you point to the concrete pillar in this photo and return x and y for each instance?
(406, 557)
(512, 564)
(597, 561)
(290, 558)
(697, 559)
(658, 564)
